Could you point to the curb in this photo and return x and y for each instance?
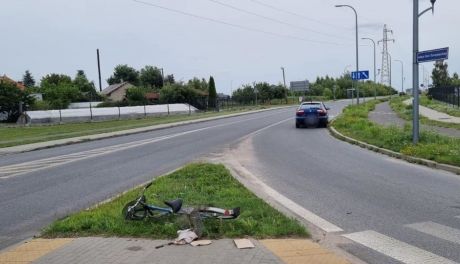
(75, 140)
(420, 161)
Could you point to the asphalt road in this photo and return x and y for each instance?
(388, 208)
(40, 186)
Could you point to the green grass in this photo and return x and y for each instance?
(354, 123)
(440, 106)
(18, 135)
(405, 112)
(196, 184)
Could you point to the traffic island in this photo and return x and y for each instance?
(195, 184)
(433, 150)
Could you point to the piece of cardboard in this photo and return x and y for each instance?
(201, 243)
(243, 243)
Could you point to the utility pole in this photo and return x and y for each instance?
(162, 76)
(284, 81)
(99, 70)
(357, 45)
(385, 73)
(415, 70)
(402, 75)
(375, 69)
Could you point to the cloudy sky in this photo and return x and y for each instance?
(236, 41)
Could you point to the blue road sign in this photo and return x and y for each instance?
(360, 75)
(433, 55)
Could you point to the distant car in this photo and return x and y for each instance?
(312, 114)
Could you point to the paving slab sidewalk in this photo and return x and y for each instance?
(384, 115)
(99, 250)
(434, 115)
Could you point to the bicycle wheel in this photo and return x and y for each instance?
(137, 213)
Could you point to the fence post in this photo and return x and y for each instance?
(145, 112)
(119, 114)
(90, 111)
(168, 107)
(60, 116)
(458, 97)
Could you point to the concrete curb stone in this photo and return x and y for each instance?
(425, 162)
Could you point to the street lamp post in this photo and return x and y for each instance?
(357, 49)
(391, 66)
(284, 81)
(415, 69)
(402, 75)
(375, 69)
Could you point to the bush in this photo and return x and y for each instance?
(10, 98)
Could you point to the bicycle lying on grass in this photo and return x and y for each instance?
(139, 209)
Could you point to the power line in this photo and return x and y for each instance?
(235, 25)
(297, 15)
(276, 20)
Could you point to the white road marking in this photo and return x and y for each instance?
(396, 249)
(36, 165)
(255, 184)
(437, 230)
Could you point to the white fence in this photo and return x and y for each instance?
(106, 113)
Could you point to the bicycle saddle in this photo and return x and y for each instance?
(174, 204)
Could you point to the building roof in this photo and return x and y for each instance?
(152, 96)
(19, 85)
(112, 88)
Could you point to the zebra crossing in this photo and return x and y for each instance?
(404, 252)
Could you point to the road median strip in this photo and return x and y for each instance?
(401, 140)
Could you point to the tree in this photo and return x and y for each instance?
(124, 73)
(61, 95)
(455, 80)
(86, 88)
(28, 79)
(136, 96)
(55, 79)
(151, 77)
(10, 98)
(170, 79)
(440, 74)
(212, 94)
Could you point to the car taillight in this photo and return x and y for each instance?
(300, 113)
(322, 112)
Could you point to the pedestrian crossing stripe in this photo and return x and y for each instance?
(437, 230)
(396, 249)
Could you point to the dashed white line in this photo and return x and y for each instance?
(27, 167)
(396, 249)
(437, 230)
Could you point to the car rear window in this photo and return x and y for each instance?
(310, 106)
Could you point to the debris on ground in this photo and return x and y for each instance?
(201, 243)
(243, 243)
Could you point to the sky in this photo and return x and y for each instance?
(236, 41)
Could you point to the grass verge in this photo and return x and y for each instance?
(405, 112)
(14, 136)
(354, 123)
(196, 184)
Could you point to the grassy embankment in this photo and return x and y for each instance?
(354, 123)
(196, 184)
(18, 135)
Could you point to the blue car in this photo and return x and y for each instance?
(312, 114)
